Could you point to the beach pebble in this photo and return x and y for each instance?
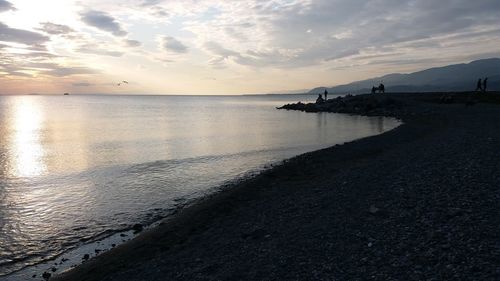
(86, 257)
(46, 275)
(373, 210)
(53, 269)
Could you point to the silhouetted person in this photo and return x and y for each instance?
(485, 84)
(374, 90)
(320, 99)
(326, 95)
(479, 86)
(381, 88)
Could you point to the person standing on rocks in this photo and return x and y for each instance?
(479, 86)
(320, 99)
(326, 95)
(381, 88)
(485, 84)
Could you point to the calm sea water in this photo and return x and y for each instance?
(75, 168)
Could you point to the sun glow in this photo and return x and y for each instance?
(28, 153)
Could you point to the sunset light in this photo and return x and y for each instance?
(249, 140)
(228, 47)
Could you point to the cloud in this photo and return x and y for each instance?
(220, 54)
(55, 29)
(170, 44)
(304, 38)
(21, 36)
(103, 21)
(6, 6)
(159, 12)
(82, 84)
(20, 74)
(33, 64)
(68, 71)
(132, 43)
(96, 49)
(150, 2)
(218, 50)
(275, 33)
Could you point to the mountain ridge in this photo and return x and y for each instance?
(455, 77)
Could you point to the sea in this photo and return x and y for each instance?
(78, 171)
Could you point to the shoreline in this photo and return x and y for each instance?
(97, 246)
(230, 220)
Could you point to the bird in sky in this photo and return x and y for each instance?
(122, 82)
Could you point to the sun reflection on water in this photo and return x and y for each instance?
(27, 149)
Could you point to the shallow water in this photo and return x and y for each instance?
(75, 168)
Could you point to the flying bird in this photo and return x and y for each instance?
(123, 82)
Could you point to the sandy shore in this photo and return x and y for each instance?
(420, 202)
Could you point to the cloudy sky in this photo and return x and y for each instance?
(232, 46)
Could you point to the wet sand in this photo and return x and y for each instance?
(418, 202)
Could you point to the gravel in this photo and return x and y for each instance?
(420, 202)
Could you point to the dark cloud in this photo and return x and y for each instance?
(55, 29)
(132, 43)
(170, 44)
(346, 53)
(6, 6)
(21, 36)
(159, 12)
(103, 21)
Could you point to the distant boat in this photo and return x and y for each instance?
(66, 94)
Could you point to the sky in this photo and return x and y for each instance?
(232, 46)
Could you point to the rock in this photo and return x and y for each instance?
(46, 275)
(373, 210)
(34, 276)
(113, 245)
(123, 235)
(137, 228)
(86, 257)
(53, 269)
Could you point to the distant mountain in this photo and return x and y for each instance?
(457, 77)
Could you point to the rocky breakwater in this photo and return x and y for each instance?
(371, 105)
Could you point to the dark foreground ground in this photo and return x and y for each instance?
(420, 202)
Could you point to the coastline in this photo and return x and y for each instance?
(332, 213)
